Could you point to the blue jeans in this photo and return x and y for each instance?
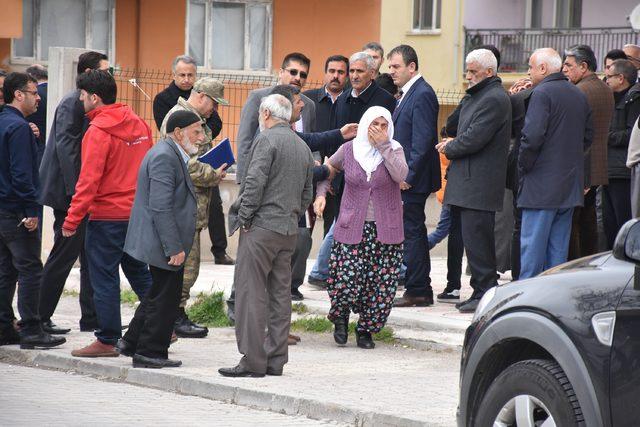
(442, 229)
(544, 239)
(104, 247)
(320, 269)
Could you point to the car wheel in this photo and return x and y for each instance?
(531, 393)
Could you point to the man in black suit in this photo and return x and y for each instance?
(416, 121)
(335, 78)
(59, 173)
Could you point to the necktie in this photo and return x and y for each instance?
(399, 97)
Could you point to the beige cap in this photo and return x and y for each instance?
(212, 88)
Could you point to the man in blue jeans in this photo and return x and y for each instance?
(112, 149)
(557, 131)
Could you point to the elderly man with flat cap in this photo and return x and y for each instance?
(206, 94)
(161, 233)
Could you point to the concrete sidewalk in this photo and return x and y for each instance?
(390, 385)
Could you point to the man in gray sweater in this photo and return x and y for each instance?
(276, 190)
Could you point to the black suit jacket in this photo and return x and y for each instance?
(350, 109)
(60, 165)
(416, 129)
(325, 111)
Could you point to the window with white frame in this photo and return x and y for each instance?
(230, 34)
(426, 15)
(63, 23)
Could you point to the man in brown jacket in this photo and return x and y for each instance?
(579, 66)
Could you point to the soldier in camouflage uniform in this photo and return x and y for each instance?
(207, 93)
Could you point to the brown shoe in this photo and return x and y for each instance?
(96, 349)
(291, 341)
(174, 338)
(295, 337)
(409, 301)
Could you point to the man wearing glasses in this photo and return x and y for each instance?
(294, 71)
(616, 202)
(19, 240)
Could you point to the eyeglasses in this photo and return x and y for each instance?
(32, 92)
(294, 72)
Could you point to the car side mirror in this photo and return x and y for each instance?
(627, 244)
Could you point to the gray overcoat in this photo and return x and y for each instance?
(477, 172)
(163, 217)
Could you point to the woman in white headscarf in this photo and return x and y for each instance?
(367, 251)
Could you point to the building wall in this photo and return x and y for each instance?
(439, 54)
(596, 14)
(321, 28)
(312, 27)
(479, 14)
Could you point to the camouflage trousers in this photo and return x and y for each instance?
(191, 269)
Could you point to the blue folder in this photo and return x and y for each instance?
(218, 155)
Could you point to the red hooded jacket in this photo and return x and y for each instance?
(112, 150)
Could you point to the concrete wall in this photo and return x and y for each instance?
(439, 53)
(596, 13)
(484, 13)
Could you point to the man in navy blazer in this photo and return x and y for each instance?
(415, 119)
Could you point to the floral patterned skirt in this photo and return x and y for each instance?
(363, 279)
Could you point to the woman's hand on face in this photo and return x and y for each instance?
(319, 205)
(377, 136)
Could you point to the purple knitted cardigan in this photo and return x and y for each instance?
(387, 203)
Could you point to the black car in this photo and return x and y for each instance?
(560, 349)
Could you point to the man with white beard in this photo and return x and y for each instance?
(276, 190)
(206, 94)
(161, 233)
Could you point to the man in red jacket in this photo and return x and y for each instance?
(112, 149)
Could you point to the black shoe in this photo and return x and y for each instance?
(296, 295)
(468, 306)
(185, 328)
(140, 361)
(341, 331)
(364, 340)
(274, 372)
(449, 295)
(224, 260)
(40, 340)
(88, 328)
(317, 282)
(238, 371)
(9, 336)
(411, 301)
(124, 348)
(49, 327)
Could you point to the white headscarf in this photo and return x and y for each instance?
(365, 154)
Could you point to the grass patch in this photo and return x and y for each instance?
(312, 324)
(299, 308)
(70, 293)
(128, 297)
(317, 324)
(209, 310)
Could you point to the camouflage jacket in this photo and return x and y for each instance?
(204, 177)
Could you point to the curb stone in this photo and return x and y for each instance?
(238, 395)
